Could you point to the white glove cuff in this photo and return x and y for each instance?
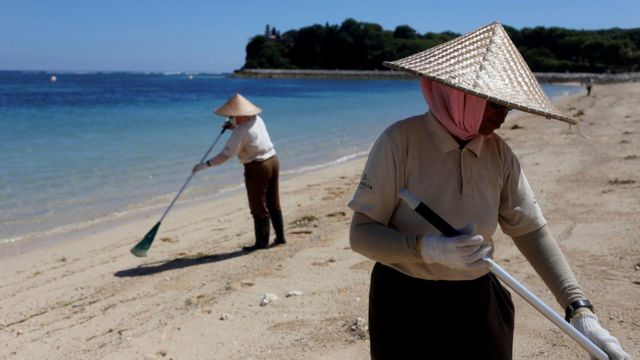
(587, 323)
(585, 320)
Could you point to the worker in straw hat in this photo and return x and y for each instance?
(251, 143)
(431, 297)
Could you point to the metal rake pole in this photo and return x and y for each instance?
(140, 249)
(439, 223)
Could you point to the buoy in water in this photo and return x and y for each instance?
(53, 78)
(190, 77)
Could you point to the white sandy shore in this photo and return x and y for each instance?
(88, 297)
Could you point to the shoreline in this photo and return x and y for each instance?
(29, 241)
(198, 293)
(24, 242)
(548, 77)
(36, 240)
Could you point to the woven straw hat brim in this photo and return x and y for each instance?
(238, 105)
(485, 63)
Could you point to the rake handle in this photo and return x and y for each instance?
(191, 176)
(446, 229)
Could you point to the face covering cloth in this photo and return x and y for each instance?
(460, 113)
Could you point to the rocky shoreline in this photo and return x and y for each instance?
(389, 74)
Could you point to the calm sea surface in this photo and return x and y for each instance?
(95, 145)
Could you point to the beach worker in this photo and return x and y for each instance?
(251, 143)
(431, 296)
(589, 86)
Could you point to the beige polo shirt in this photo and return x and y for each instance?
(482, 182)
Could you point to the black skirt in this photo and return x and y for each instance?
(412, 318)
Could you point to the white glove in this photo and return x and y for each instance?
(459, 252)
(587, 324)
(201, 166)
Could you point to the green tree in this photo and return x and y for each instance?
(405, 32)
(265, 54)
(362, 45)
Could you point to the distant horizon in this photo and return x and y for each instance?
(178, 72)
(79, 72)
(212, 72)
(203, 36)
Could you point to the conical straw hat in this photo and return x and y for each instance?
(238, 105)
(486, 63)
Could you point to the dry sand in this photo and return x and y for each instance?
(197, 296)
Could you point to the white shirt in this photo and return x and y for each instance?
(250, 141)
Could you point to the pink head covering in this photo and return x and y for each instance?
(460, 113)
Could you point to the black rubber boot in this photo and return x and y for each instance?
(278, 227)
(261, 228)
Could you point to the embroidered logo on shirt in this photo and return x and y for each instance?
(364, 185)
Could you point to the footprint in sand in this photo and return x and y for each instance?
(323, 263)
(337, 213)
(617, 181)
(300, 232)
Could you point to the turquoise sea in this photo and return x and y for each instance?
(91, 146)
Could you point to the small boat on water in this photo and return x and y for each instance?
(53, 78)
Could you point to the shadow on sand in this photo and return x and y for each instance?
(179, 263)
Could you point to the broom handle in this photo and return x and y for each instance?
(191, 176)
(439, 223)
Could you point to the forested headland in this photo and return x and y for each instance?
(355, 45)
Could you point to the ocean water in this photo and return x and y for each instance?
(91, 146)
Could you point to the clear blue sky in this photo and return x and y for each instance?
(183, 35)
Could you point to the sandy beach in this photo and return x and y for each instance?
(198, 296)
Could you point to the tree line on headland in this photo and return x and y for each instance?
(355, 45)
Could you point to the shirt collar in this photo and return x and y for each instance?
(445, 141)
